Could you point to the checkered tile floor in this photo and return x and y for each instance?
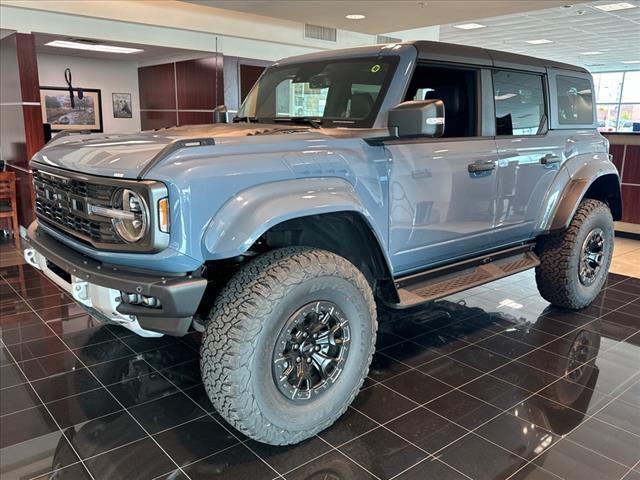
(489, 384)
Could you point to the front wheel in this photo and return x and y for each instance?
(574, 264)
(288, 344)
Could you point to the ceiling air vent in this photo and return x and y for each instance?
(318, 32)
(385, 39)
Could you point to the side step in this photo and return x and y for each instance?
(447, 280)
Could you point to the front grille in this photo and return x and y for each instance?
(63, 202)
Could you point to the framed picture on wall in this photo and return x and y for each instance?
(121, 105)
(86, 115)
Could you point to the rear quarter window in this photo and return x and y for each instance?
(575, 100)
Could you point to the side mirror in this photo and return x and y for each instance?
(417, 118)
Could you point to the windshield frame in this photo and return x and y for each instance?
(326, 122)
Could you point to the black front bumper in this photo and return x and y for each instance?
(179, 296)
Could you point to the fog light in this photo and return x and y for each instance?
(138, 299)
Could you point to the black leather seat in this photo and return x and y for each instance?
(361, 105)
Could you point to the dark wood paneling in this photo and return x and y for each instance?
(631, 204)
(194, 118)
(631, 172)
(157, 119)
(25, 196)
(28, 65)
(197, 83)
(156, 86)
(617, 151)
(249, 74)
(34, 133)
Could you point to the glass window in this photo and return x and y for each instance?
(629, 119)
(607, 117)
(631, 91)
(575, 100)
(519, 99)
(608, 87)
(342, 92)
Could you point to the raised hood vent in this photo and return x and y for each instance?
(318, 32)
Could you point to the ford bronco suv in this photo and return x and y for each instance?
(395, 174)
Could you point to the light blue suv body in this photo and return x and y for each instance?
(425, 201)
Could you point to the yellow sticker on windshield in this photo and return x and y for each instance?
(375, 68)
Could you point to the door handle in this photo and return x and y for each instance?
(549, 158)
(478, 167)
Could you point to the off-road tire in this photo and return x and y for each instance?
(241, 331)
(557, 276)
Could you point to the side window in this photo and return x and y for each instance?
(519, 100)
(575, 100)
(457, 88)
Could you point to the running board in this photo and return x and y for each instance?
(447, 280)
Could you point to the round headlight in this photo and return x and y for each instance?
(133, 224)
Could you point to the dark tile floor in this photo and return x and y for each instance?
(487, 384)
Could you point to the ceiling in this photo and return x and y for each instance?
(574, 31)
(382, 16)
(149, 53)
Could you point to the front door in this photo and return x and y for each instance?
(442, 191)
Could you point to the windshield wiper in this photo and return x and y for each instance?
(245, 119)
(315, 122)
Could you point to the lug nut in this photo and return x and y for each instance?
(298, 359)
(315, 335)
(309, 360)
(317, 349)
(305, 334)
(296, 346)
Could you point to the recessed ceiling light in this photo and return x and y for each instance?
(93, 47)
(612, 7)
(539, 42)
(631, 61)
(355, 16)
(469, 26)
(590, 53)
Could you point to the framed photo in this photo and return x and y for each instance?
(56, 109)
(121, 105)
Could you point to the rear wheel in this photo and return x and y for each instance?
(574, 264)
(288, 344)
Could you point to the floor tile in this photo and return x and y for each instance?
(236, 463)
(498, 393)
(32, 458)
(382, 404)
(347, 427)
(431, 469)
(195, 440)
(36, 348)
(18, 397)
(427, 430)
(570, 461)
(10, 375)
(25, 425)
(479, 358)
(80, 408)
(284, 459)
(450, 371)
(519, 435)
(165, 412)
(463, 409)
(141, 389)
(384, 453)
(621, 415)
(65, 385)
(330, 465)
(417, 386)
(54, 364)
(143, 457)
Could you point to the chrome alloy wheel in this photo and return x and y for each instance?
(591, 256)
(311, 350)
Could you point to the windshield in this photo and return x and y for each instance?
(331, 92)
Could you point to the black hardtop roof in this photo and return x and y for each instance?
(451, 52)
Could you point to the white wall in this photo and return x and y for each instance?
(109, 76)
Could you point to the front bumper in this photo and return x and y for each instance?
(96, 286)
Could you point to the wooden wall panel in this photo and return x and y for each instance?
(631, 172)
(156, 86)
(249, 74)
(196, 84)
(194, 118)
(631, 204)
(152, 119)
(618, 152)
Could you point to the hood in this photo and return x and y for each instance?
(131, 155)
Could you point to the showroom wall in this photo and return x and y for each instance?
(109, 76)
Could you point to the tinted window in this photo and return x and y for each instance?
(519, 99)
(575, 100)
(456, 87)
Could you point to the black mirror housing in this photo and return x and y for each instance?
(418, 118)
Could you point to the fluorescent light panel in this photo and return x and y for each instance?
(539, 42)
(631, 61)
(590, 53)
(612, 7)
(469, 26)
(92, 47)
(355, 16)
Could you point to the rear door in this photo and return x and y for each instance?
(439, 210)
(528, 155)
